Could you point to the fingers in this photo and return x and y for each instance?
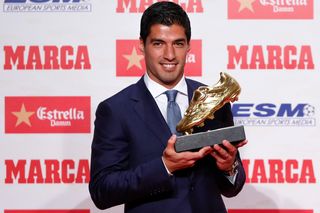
(204, 151)
(171, 141)
(176, 161)
(224, 152)
(241, 144)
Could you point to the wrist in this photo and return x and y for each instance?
(165, 166)
(233, 170)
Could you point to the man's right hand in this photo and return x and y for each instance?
(176, 161)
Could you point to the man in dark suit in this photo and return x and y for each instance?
(133, 157)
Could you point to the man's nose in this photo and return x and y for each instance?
(169, 53)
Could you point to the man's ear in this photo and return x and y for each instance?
(141, 45)
(189, 46)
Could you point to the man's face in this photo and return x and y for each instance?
(165, 53)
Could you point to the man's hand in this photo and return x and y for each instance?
(225, 156)
(176, 161)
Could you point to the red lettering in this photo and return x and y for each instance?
(65, 63)
(82, 59)
(11, 57)
(245, 164)
(259, 172)
(35, 172)
(34, 59)
(51, 57)
(65, 58)
(83, 171)
(131, 6)
(278, 57)
(276, 168)
(65, 171)
(194, 6)
(279, 171)
(144, 5)
(237, 56)
(257, 57)
(13, 172)
(307, 172)
(67, 165)
(290, 176)
(290, 63)
(306, 58)
(52, 171)
(274, 57)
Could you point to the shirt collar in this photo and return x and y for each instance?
(156, 89)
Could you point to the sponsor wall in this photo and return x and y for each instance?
(59, 59)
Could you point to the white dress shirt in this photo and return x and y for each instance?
(158, 93)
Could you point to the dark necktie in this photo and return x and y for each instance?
(173, 111)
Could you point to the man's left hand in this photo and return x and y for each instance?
(225, 155)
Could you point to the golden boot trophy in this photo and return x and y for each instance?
(205, 102)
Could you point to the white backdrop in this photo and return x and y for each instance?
(279, 107)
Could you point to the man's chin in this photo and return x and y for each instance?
(171, 80)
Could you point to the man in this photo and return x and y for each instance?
(133, 157)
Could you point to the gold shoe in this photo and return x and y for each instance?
(207, 100)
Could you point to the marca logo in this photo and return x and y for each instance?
(269, 211)
(46, 58)
(48, 211)
(46, 6)
(270, 9)
(279, 171)
(47, 171)
(139, 6)
(269, 114)
(271, 57)
(130, 61)
(47, 114)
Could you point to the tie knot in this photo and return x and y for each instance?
(171, 95)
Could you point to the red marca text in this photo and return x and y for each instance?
(136, 6)
(46, 58)
(47, 171)
(279, 171)
(270, 57)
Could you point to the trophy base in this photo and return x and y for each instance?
(234, 134)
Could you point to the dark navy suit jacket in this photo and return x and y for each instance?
(126, 167)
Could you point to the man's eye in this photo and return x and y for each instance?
(179, 44)
(157, 44)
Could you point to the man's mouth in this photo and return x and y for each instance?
(169, 66)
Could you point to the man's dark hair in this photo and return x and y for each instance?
(165, 13)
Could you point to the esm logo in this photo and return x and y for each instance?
(46, 6)
(269, 114)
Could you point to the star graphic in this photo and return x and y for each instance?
(246, 4)
(23, 116)
(134, 59)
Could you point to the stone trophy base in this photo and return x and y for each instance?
(234, 134)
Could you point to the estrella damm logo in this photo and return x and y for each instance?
(47, 114)
(270, 9)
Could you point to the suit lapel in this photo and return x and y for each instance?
(192, 86)
(147, 109)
